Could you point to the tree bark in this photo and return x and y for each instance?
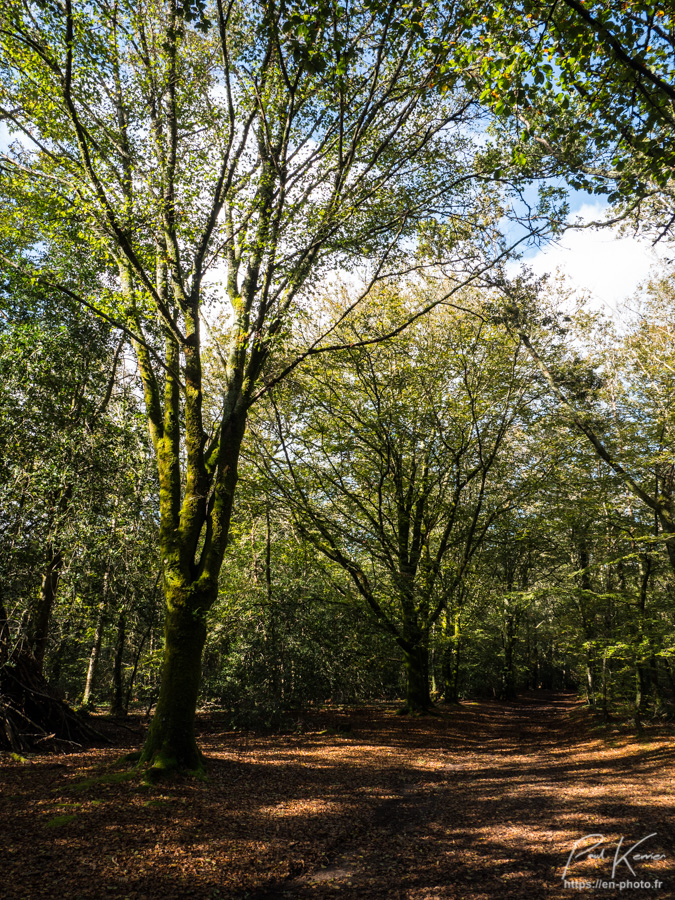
(641, 673)
(604, 709)
(590, 681)
(171, 741)
(4, 632)
(451, 662)
(38, 628)
(117, 707)
(416, 658)
(134, 670)
(95, 654)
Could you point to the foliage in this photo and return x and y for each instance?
(588, 86)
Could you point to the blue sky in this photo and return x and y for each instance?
(606, 265)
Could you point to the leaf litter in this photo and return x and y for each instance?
(478, 802)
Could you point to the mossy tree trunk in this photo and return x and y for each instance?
(194, 525)
(171, 741)
(193, 537)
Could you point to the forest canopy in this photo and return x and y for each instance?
(279, 423)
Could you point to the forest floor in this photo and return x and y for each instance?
(482, 801)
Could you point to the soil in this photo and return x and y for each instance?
(482, 801)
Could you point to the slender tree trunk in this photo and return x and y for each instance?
(101, 623)
(639, 697)
(655, 682)
(117, 707)
(273, 661)
(604, 709)
(451, 661)
(56, 659)
(590, 681)
(95, 655)
(134, 670)
(4, 631)
(641, 674)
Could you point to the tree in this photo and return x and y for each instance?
(395, 463)
(74, 462)
(588, 85)
(575, 383)
(616, 392)
(160, 142)
(56, 427)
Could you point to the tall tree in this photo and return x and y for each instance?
(394, 460)
(161, 146)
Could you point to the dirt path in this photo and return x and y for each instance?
(482, 802)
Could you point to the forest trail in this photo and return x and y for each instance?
(482, 801)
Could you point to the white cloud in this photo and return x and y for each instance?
(4, 137)
(599, 262)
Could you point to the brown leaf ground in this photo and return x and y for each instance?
(483, 801)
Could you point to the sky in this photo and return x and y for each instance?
(606, 265)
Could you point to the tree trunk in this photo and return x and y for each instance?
(171, 741)
(4, 632)
(451, 663)
(639, 697)
(417, 678)
(641, 673)
(604, 708)
(590, 681)
(670, 677)
(95, 655)
(117, 707)
(273, 660)
(38, 628)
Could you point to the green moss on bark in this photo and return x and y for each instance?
(171, 743)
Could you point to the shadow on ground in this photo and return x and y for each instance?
(483, 801)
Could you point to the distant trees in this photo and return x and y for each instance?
(397, 460)
(282, 634)
(75, 519)
(614, 391)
